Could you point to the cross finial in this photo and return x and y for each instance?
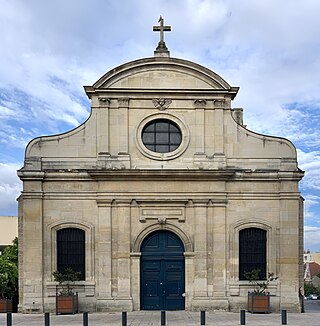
(161, 50)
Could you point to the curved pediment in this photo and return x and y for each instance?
(162, 73)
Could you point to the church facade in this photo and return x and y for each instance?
(162, 199)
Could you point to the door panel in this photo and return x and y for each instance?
(174, 285)
(151, 293)
(162, 272)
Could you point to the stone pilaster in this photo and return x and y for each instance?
(219, 126)
(31, 249)
(123, 252)
(104, 249)
(219, 250)
(199, 129)
(289, 255)
(200, 249)
(210, 251)
(189, 279)
(135, 279)
(103, 126)
(123, 104)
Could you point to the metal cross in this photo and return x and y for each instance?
(161, 29)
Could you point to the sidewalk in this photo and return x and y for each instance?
(174, 318)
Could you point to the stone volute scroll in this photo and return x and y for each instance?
(161, 103)
(219, 104)
(200, 103)
(104, 101)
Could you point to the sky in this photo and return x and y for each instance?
(270, 49)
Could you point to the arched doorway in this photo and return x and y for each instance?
(162, 277)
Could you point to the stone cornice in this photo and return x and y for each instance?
(161, 175)
(31, 175)
(268, 175)
(139, 93)
(209, 175)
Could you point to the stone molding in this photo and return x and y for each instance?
(89, 243)
(186, 239)
(272, 251)
(162, 211)
(161, 174)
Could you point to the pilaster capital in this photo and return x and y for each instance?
(104, 101)
(122, 202)
(104, 202)
(200, 103)
(200, 202)
(123, 102)
(219, 103)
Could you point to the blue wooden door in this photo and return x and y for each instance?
(162, 272)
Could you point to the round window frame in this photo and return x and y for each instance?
(185, 137)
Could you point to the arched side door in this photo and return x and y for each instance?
(162, 277)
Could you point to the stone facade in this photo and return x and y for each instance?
(102, 178)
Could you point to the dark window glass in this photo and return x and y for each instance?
(162, 125)
(252, 252)
(162, 148)
(148, 138)
(174, 128)
(161, 136)
(71, 250)
(175, 138)
(149, 128)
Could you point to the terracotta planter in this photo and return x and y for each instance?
(67, 304)
(5, 305)
(259, 302)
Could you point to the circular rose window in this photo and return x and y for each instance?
(161, 136)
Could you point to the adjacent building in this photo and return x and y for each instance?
(8, 231)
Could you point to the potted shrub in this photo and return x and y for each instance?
(8, 277)
(66, 299)
(5, 300)
(259, 298)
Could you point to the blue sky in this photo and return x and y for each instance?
(270, 48)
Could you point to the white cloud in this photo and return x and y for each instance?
(310, 162)
(312, 238)
(10, 188)
(311, 200)
(311, 208)
(6, 112)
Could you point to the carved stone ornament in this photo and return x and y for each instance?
(162, 220)
(123, 102)
(219, 103)
(200, 102)
(104, 101)
(161, 103)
